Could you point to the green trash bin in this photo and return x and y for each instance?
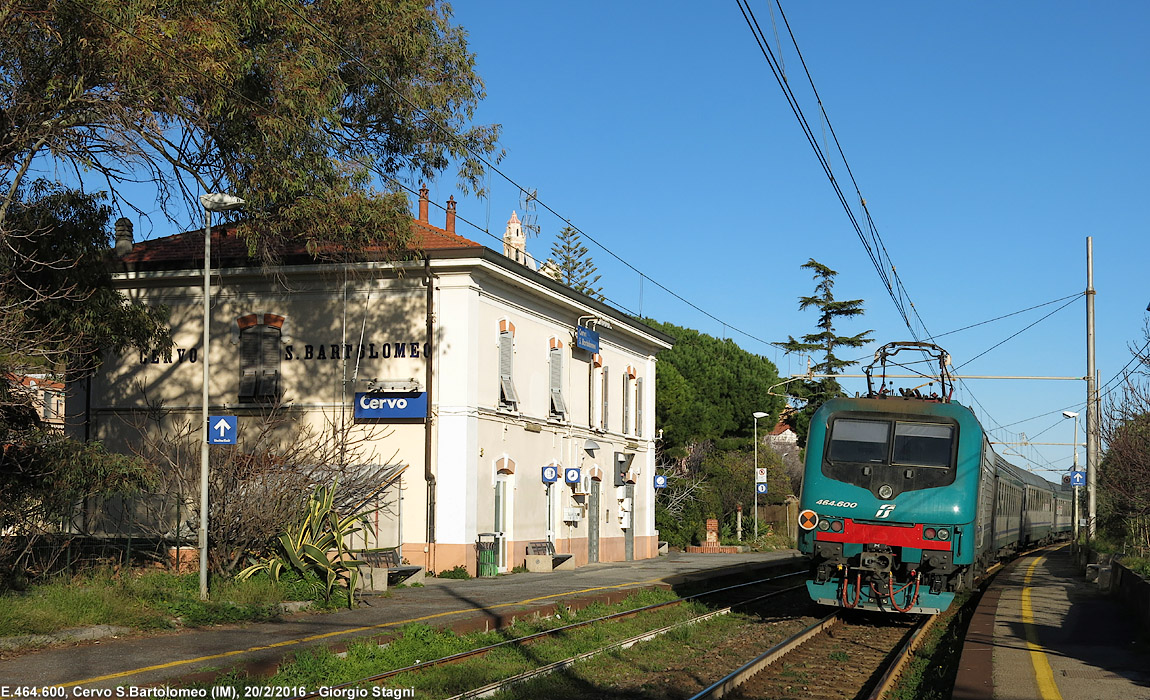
(488, 559)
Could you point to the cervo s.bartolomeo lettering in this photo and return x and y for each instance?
(905, 502)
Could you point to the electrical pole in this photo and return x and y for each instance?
(1092, 402)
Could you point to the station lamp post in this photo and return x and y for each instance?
(210, 202)
(757, 415)
(1074, 470)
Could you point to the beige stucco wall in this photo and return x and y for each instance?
(372, 309)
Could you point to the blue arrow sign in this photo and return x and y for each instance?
(222, 430)
(1077, 478)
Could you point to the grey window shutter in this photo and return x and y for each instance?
(606, 384)
(249, 363)
(626, 401)
(639, 407)
(507, 395)
(269, 363)
(558, 407)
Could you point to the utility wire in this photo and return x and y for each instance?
(1015, 335)
(492, 167)
(454, 136)
(999, 318)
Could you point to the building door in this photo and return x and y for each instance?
(501, 525)
(593, 524)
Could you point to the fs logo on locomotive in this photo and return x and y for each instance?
(884, 510)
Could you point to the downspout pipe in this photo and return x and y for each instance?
(429, 422)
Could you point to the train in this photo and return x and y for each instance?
(904, 501)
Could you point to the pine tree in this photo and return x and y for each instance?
(826, 341)
(572, 265)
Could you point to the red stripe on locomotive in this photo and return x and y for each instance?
(865, 533)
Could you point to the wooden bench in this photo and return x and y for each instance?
(386, 560)
(541, 557)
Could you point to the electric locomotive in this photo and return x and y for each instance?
(904, 502)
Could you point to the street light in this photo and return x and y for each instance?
(757, 415)
(1072, 414)
(210, 202)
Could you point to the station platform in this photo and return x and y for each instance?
(462, 605)
(1043, 632)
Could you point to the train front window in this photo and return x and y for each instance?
(890, 454)
(923, 444)
(859, 441)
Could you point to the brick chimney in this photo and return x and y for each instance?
(450, 225)
(423, 202)
(123, 237)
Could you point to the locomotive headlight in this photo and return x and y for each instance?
(824, 525)
(885, 491)
(943, 533)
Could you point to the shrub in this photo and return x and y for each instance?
(459, 571)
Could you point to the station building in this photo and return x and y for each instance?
(523, 410)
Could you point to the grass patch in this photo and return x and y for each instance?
(931, 672)
(148, 599)
(418, 642)
(1139, 565)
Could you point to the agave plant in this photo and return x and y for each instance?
(318, 545)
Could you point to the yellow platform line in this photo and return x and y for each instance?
(352, 630)
(1043, 674)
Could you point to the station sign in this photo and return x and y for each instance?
(660, 481)
(586, 339)
(761, 488)
(550, 474)
(387, 405)
(572, 475)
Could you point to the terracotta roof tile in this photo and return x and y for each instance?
(183, 248)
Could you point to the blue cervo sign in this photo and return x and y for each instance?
(391, 405)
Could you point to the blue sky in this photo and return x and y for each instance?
(989, 140)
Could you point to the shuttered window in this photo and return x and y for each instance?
(259, 364)
(507, 397)
(639, 407)
(626, 402)
(606, 383)
(558, 407)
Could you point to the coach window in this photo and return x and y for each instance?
(260, 357)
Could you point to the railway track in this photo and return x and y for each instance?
(723, 599)
(841, 657)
